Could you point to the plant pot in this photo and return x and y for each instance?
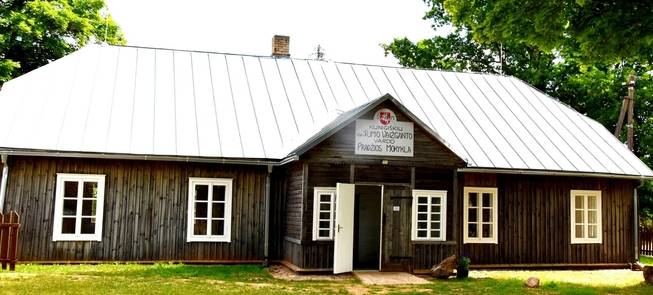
(462, 273)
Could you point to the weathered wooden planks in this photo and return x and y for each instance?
(534, 221)
(145, 213)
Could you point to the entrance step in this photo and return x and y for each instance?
(388, 278)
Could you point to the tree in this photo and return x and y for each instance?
(597, 30)
(512, 37)
(35, 32)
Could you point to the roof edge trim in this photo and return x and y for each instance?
(553, 173)
(215, 160)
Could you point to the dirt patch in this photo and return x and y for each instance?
(283, 273)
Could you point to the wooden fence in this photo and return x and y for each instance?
(9, 226)
(646, 242)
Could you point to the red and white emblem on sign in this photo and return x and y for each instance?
(385, 116)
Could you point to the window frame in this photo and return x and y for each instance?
(192, 182)
(585, 224)
(57, 235)
(442, 194)
(495, 209)
(317, 191)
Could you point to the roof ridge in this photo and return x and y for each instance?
(298, 58)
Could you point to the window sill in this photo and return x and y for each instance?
(586, 242)
(208, 240)
(77, 239)
(433, 242)
(481, 242)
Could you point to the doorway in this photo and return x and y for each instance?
(367, 227)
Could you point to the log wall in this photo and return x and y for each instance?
(145, 210)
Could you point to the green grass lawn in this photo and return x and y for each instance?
(252, 279)
(648, 260)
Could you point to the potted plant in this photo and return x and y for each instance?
(462, 271)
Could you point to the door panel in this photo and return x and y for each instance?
(397, 249)
(343, 252)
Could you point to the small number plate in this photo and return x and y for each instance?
(395, 208)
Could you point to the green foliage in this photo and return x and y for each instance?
(597, 30)
(464, 262)
(35, 32)
(577, 51)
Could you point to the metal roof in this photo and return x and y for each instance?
(161, 102)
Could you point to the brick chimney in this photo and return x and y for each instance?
(280, 46)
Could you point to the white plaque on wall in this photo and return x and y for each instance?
(384, 136)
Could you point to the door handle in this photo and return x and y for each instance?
(338, 227)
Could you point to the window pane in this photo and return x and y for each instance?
(487, 200)
(217, 210)
(90, 190)
(435, 225)
(591, 216)
(579, 216)
(421, 234)
(217, 227)
(435, 234)
(325, 198)
(325, 207)
(199, 228)
(487, 215)
(70, 207)
(324, 233)
(435, 217)
(88, 225)
(201, 192)
(579, 231)
(68, 226)
(422, 200)
(70, 189)
(201, 209)
(324, 215)
(591, 202)
(218, 193)
(473, 200)
(421, 225)
(325, 224)
(579, 202)
(471, 215)
(422, 216)
(472, 230)
(435, 201)
(487, 230)
(435, 208)
(89, 207)
(592, 231)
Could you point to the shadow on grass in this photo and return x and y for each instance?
(231, 273)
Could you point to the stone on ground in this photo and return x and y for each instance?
(533, 282)
(648, 274)
(446, 268)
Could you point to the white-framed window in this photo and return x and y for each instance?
(480, 215)
(78, 207)
(429, 215)
(324, 206)
(586, 226)
(209, 209)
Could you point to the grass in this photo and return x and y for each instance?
(647, 260)
(252, 279)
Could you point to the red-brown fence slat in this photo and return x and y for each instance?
(9, 229)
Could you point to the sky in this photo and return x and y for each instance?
(349, 31)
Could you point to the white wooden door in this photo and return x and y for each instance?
(343, 250)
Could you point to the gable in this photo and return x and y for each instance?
(424, 150)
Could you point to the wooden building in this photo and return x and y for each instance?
(142, 154)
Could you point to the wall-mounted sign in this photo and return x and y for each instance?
(384, 136)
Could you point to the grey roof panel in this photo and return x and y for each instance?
(160, 102)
